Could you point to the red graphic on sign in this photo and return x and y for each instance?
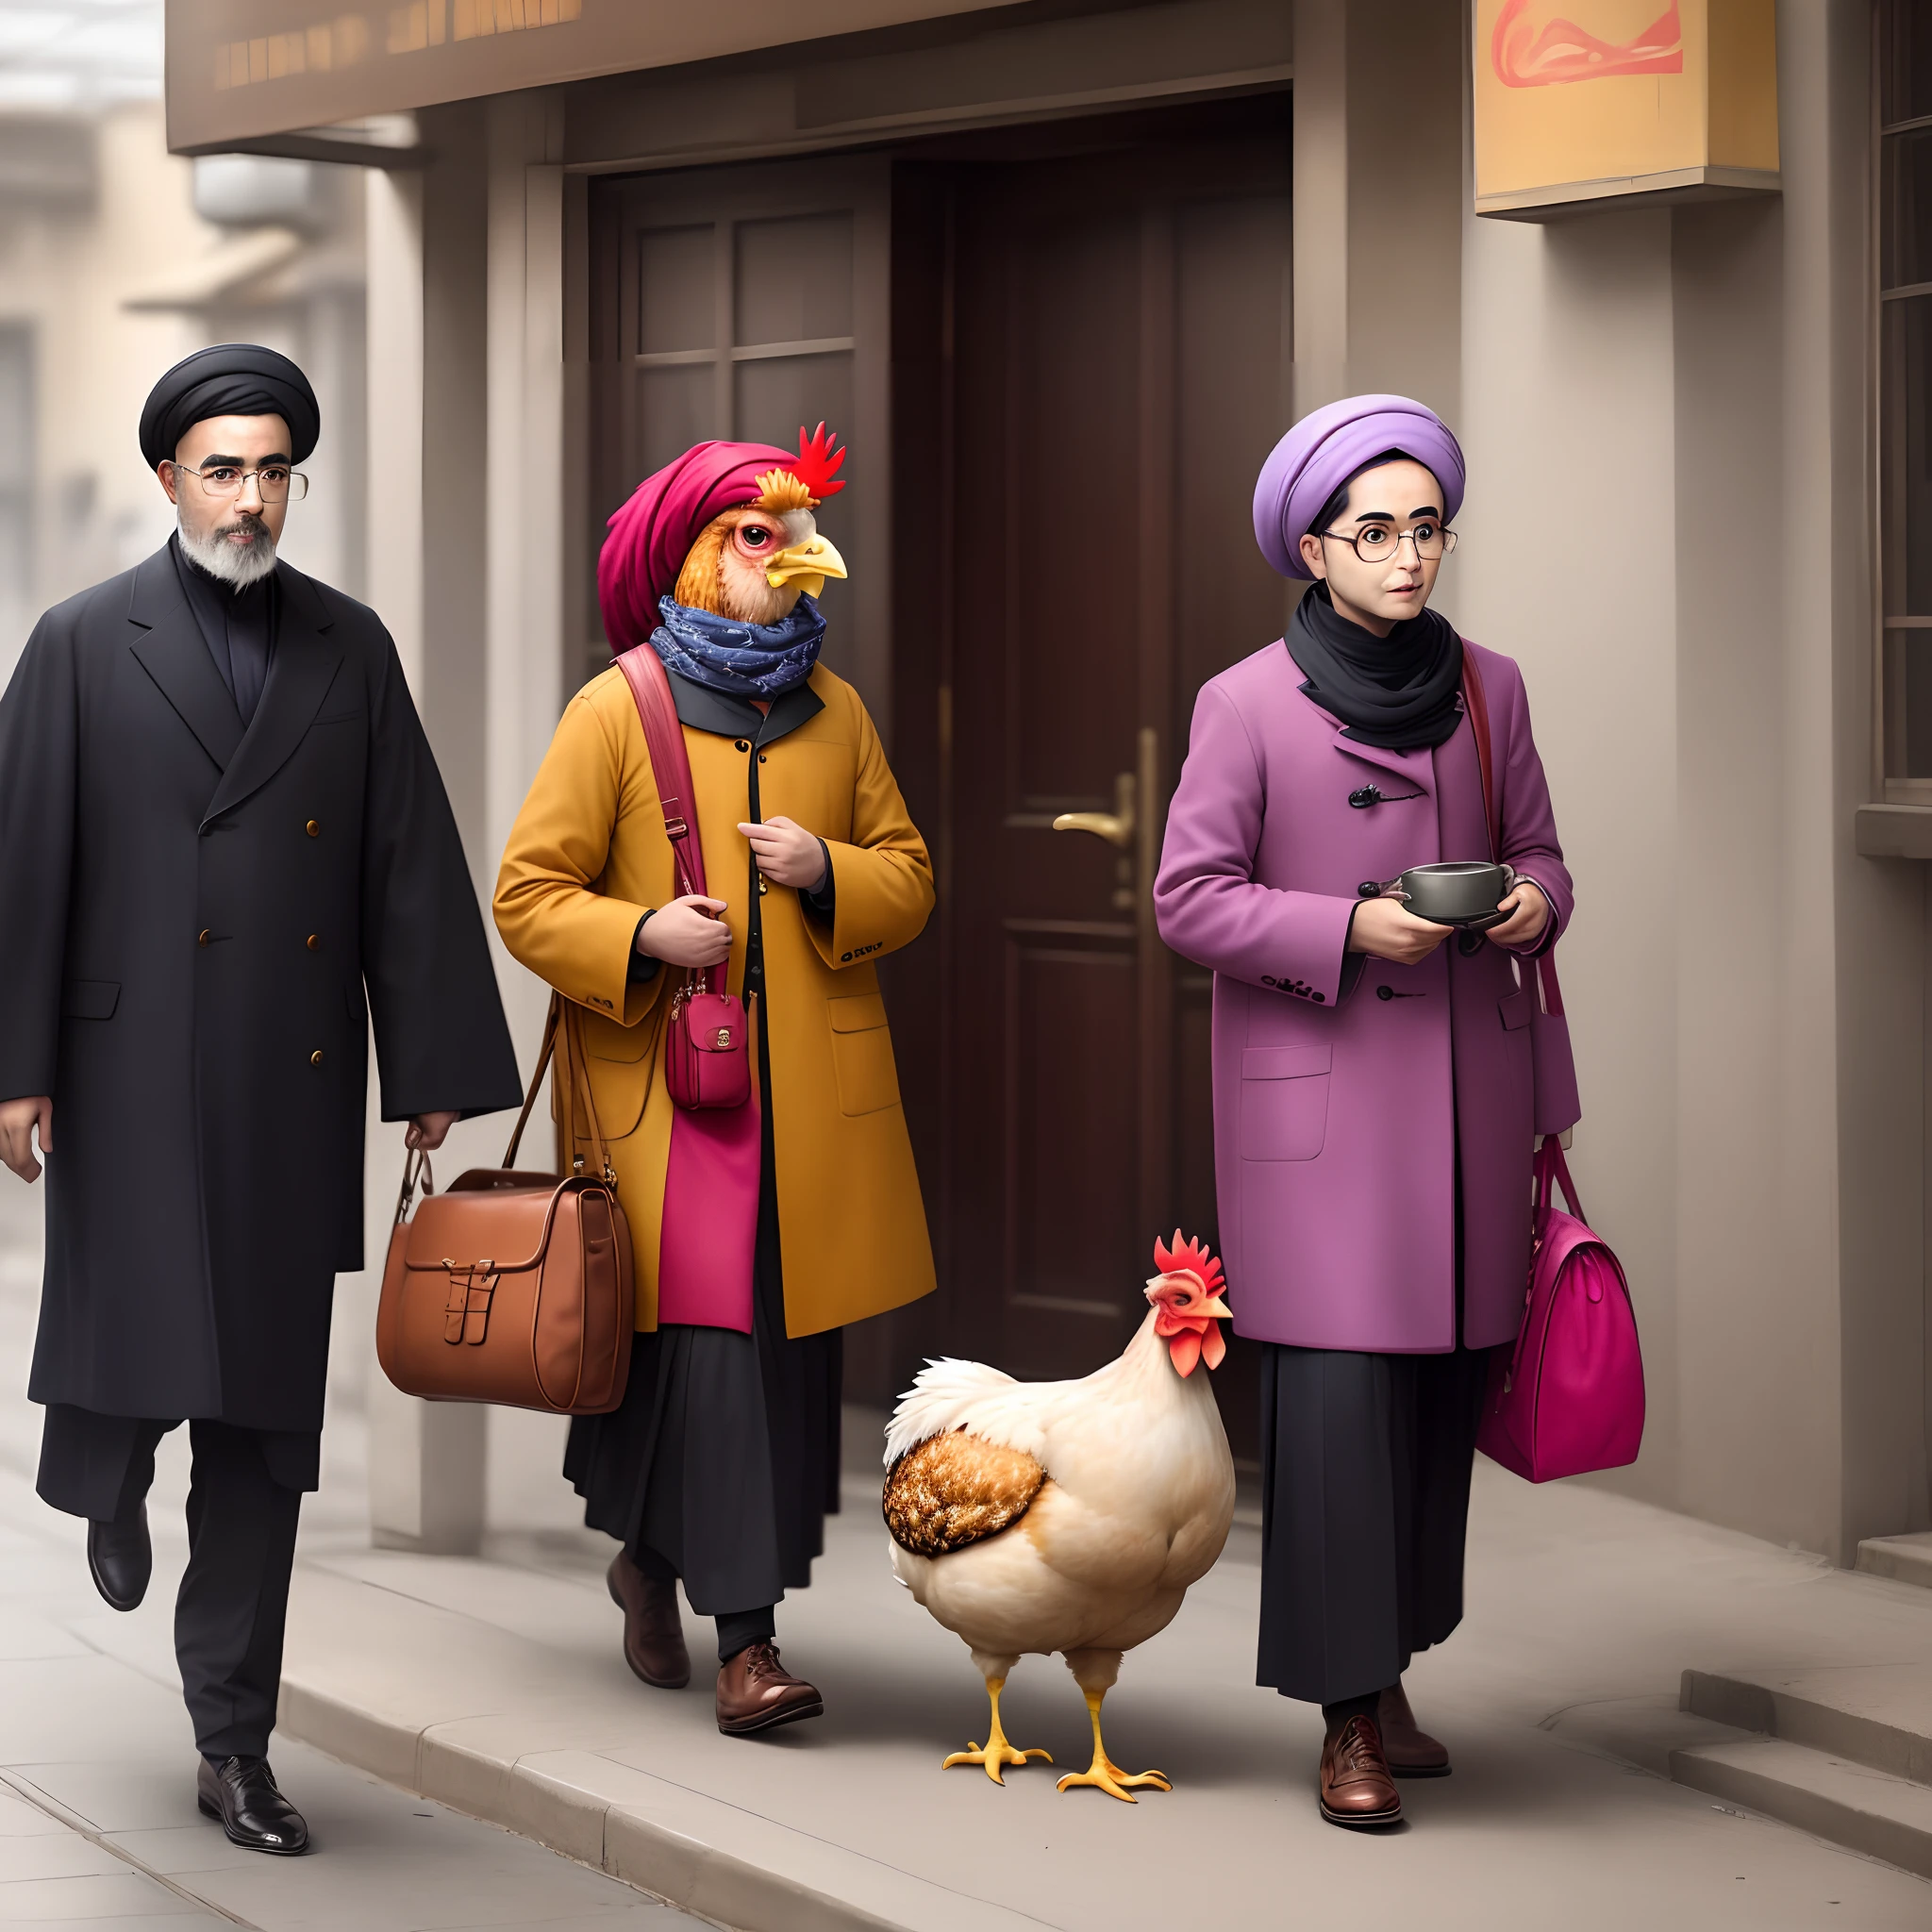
(1528, 52)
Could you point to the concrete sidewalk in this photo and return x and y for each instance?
(98, 1824)
(496, 1687)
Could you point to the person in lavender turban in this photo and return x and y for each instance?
(1377, 1092)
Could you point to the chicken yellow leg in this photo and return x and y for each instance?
(1104, 1772)
(998, 1751)
(1096, 1671)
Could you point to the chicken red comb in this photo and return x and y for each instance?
(818, 463)
(1188, 1257)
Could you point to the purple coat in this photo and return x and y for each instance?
(1339, 1114)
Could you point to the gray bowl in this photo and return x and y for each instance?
(1460, 892)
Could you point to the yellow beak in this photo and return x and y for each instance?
(1218, 1307)
(807, 565)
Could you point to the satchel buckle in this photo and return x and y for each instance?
(466, 1313)
(724, 1038)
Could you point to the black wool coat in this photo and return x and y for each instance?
(197, 922)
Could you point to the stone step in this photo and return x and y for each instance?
(1875, 1715)
(1903, 1558)
(1844, 1802)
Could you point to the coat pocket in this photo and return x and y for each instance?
(862, 1053)
(1284, 1102)
(91, 999)
(1514, 1007)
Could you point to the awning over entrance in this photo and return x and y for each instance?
(238, 72)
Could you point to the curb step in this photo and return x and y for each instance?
(1820, 1710)
(1903, 1558)
(1808, 1757)
(1847, 1803)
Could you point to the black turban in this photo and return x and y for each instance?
(231, 379)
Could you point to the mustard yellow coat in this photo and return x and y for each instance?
(587, 855)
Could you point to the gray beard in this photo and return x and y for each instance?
(225, 560)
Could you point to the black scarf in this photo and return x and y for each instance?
(1399, 692)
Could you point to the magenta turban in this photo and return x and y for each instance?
(651, 534)
(1327, 447)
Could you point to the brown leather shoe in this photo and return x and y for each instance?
(1357, 1789)
(653, 1631)
(755, 1692)
(1411, 1752)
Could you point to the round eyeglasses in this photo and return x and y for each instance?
(275, 482)
(1378, 542)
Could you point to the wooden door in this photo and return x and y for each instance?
(1113, 369)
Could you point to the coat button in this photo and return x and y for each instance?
(314, 828)
(761, 885)
(315, 1058)
(1384, 992)
(202, 937)
(744, 744)
(315, 942)
(762, 759)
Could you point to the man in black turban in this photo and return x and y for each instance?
(225, 848)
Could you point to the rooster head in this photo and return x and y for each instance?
(1186, 1303)
(754, 563)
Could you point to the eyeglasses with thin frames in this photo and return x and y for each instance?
(275, 482)
(1378, 542)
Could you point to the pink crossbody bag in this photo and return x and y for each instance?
(707, 1044)
(1568, 1397)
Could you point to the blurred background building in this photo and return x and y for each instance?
(116, 259)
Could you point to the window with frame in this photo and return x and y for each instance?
(1903, 134)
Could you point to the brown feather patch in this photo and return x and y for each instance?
(956, 1489)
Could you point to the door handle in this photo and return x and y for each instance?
(1115, 827)
(1131, 827)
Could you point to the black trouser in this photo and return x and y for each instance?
(1365, 1469)
(244, 1500)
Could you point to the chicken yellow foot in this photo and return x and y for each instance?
(997, 1751)
(1104, 1773)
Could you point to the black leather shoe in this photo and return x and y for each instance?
(120, 1559)
(242, 1792)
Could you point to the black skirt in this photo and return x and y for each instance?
(1365, 1470)
(722, 1464)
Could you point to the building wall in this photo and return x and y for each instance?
(1676, 401)
(1665, 412)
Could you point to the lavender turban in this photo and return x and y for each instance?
(1326, 448)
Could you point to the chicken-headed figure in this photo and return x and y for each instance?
(1035, 1517)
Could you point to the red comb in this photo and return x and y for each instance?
(818, 463)
(1188, 1257)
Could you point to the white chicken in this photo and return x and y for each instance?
(1035, 1517)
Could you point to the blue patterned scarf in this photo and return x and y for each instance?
(743, 660)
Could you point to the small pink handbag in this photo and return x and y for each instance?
(707, 1043)
(1571, 1396)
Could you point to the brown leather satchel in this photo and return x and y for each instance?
(513, 1286)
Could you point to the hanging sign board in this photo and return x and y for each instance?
(1583, 104)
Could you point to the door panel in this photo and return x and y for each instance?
(1117, 326)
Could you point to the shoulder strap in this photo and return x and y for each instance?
(574, 1080)
(1477, 702)
(644, 670)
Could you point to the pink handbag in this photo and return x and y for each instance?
(1569, 1398)
(707, 1244)
(706, 1045)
